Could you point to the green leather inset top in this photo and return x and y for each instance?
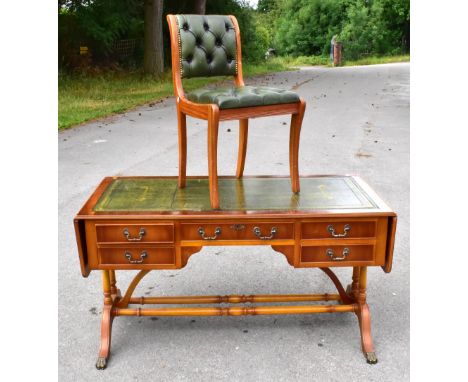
(207, 45)
(246, 194)
(244, 96)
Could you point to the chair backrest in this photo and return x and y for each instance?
(207, 45)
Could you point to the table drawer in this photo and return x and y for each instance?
(237, 231)
(135, 233)
(337, 253)
(338, 229)
(137, 256)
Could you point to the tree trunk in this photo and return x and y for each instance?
(153, 62)
(200, 6)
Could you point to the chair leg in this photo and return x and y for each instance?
(182, 128)
(243, 133)
(213, 123)
(294, 136)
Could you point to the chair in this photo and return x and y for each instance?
(209, 45)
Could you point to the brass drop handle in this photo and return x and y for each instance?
(346, 229)
(143, 256)
(140, 235)
(201, 232)
(258, 233)
(331, 254)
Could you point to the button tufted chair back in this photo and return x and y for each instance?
(207, 45)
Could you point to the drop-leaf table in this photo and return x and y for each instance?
(148, 223)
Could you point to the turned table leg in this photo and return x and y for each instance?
(106, 322)
(115, 292)
(364, 318)
(352, 288)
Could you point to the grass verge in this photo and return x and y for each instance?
(374, 60)
(290, 61)
(84, 98)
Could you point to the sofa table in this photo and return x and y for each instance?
(148, 223)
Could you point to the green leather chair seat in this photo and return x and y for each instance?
(244, 96)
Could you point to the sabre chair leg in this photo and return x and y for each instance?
(106, 323)
(294, 137)
(243, 134)
(364, 318)
(182, 129)
(213, 123)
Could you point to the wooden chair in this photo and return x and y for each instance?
(210, 45)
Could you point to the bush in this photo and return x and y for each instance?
(376, 28)
(306, 27)
(357, 35)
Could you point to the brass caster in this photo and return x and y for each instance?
(101, 363)
(371, 358)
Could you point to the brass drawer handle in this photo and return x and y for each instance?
(143, 256)
(346, 229)
(127, 235)
(201, 232)
(331, 254)
(258, 233)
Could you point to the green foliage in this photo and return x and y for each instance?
(358, 32)
(97, 24)
(376, 27)
(305, 27)
(393, 21)
(266, 6)
(297, 28)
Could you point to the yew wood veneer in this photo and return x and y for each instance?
(149, 223)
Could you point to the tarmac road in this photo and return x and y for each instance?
(356, 122)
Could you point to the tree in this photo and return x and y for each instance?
(379, 27)
(200, 7)
(96, 24)
(153, 62)
(266, 6)
(305, 27)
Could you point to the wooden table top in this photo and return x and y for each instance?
(153, 195)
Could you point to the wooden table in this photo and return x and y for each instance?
(147, 223)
